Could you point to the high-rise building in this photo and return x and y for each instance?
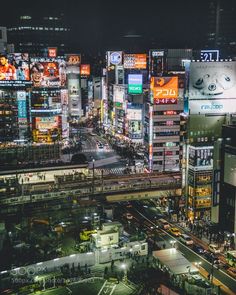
(227, 192)
(210, 105)
(221, 26)
(3, 39)
(34, 34)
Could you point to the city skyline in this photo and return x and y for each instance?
(118, 147)
(100, 25)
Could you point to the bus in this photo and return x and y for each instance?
(231, 258)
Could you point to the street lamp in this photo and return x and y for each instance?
(93, 175)
(172, 243)
(124, 267)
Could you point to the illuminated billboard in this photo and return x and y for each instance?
(201, 157)
(210, 55)
(135, 84)
(22, 109)
(64, 97)
(135, 61)
(135, 129)
(150, 139)
(212, 80)
(52, 52)
(45, 100)
(45, 74)
(164, 88)
(219, 106)
(134, 112)
(157, 62)
(85, 70)
(14, 69)
(118, 94)
(46, 123)
(74, 95)
(114, 58)
(73, 59)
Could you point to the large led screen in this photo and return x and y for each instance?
(14, 67)
(45, 74)
(212, 80)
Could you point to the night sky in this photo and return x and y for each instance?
(101, 24)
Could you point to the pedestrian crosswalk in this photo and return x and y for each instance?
(107, 288)
(97, 150)
(108, 171)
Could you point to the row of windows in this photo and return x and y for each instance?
(165, 144)
(173, 162)
(166, 123)
(230, 202)
(200, 191)
(5, 112)
(36, 44)
(39, 29)
(167, 153)
(166, 133)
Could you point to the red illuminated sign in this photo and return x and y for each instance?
(85, 70)
(170, 113)
(166, 101)
(52, 52)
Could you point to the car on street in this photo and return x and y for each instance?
(214, 249)
(162, 223)
(186, 239)
(198, 249)
(232, 271)
(209, 256)
(175, 231)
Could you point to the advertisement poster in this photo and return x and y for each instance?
(74, 95)
(219, 106)
(135, 129)
(47, 123)
(164, 88)
(212, 80)
(45, 74)
(201, 157)
(135, 84)
(135, 61)
(14, 67)
(118, 94)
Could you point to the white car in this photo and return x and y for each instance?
(214, 249)
(186, 239)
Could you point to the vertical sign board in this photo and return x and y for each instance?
(150, 137)
(52, 52)
(21, 103)
(135, 84)
(22, 113)
(73, 83)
